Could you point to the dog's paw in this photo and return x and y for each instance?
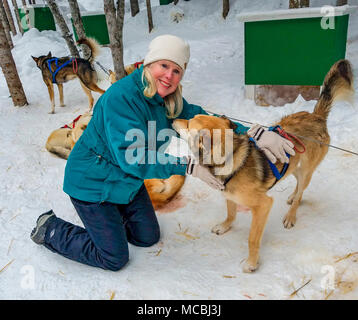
(289, 221)
(52, 112)
(249, 267)
(62, 105)
(220, 228)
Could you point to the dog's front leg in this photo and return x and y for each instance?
(231, 215)
(49, 85)
(60, 91)
(260, 213)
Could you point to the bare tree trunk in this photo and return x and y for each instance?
(115, 19)
(64, 28)
(294, 4)
(341, 2)
(78, 25)
(9, 17)
(134, 7)
(9, 70)
(226, 8)
(32, 2)
(150, 17)
(5, 24)
(305, 3)
(176, 2)
(17, 15)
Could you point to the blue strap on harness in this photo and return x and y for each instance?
(274, 169)
(58, 68)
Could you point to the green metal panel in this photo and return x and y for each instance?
(40, 17)
(292, 51)
(95, 27)
(162, 2)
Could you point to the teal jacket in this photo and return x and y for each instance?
(115, 153)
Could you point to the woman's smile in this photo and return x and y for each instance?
(167, 76)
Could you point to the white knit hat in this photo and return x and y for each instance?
(168, 47)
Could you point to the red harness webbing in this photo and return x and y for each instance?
(137, 64)
(73, 123)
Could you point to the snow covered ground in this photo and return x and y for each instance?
(189, 262)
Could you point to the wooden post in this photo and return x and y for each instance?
(134, 7)
(226, 8)
(5, 24)
(9, 17)
(9, 70)
(66, 34)
(78, 25)
(115, 19)
(17, 15)
(150, 17)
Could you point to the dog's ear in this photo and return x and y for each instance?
(231, 124)
(35, 59)
(205, 142)
(112, 77)
(49, 55)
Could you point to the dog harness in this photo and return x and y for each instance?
(137, 64)
(278, 175)
(58, 68)
(72, 126)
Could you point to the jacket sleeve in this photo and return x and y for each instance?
(191, 110)
(127, 135)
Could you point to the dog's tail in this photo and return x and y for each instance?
(337, 85)
(94, 47)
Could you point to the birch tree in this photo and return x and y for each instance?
(115, 19)
(150, 17)
(9, 18)
(5, 24)
(226, 8)
(9, 70)
(78, 25)
(134, 7)
(17, 15)
(66, 34)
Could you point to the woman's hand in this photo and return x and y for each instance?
(271, 144)
(204, 174)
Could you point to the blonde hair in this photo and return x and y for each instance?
(173, 102)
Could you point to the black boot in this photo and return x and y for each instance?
(43, 221)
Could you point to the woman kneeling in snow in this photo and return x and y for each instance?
(106, 189)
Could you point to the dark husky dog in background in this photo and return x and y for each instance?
(60, 70)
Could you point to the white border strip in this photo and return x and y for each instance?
(296, 13)
(89, 13)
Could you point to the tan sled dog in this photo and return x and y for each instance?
(62, 140)
(60, 70)
(251, 177)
